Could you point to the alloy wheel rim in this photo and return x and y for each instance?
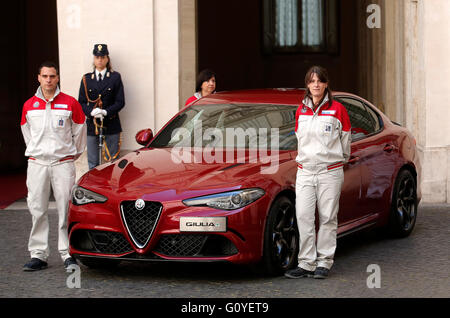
(406, 204)
(284, 235)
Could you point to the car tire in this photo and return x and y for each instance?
(403, 213)
(99, 263)
(280, 238)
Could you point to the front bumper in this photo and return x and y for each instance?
(103, 231)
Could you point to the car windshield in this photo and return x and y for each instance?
(231, 126)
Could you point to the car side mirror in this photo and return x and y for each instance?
(144, 136)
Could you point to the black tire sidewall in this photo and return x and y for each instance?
(270, 261)
(395, 228)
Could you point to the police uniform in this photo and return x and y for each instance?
(110, 90)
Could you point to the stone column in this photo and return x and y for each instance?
(433, 85)
(406, 73)
(151, 43)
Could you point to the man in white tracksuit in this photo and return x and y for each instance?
(323, 131)
(53, 126)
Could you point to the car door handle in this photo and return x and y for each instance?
(353, 159)
(389, 148)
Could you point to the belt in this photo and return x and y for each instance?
(60, 160)
(330, 167)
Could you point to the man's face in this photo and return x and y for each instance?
(48, 79)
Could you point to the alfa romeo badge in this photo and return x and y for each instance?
(139, 204)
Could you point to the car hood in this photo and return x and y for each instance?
(155, 170)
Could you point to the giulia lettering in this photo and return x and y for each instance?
(199, 224)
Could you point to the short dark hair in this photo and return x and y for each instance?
(204, 76)
(48, 64)
(322, 74)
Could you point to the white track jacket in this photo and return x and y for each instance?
(54, 130)
(324, 136)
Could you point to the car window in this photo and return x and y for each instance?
(375, 118)
(231, 125)
(364, 120)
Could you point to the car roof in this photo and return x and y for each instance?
(284, 96)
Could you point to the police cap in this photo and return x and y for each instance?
(100, 50)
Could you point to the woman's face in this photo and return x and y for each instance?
(209, 86)
(316, 87)
(100, 62)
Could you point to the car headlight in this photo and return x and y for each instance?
(82, 196)
(227, 200)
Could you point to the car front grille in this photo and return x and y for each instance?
(195, 245)
(140, 223)
(103, 242)
(181, 245)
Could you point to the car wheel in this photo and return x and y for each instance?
(99, 263)
(280, 238)
(403, 212)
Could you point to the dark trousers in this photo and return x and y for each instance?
(112, 141)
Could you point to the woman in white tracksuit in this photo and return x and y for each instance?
(324, 135)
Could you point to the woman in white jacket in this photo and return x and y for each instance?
(323, 132)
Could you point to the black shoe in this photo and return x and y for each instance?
(70, 261)
(321, 272)
(34, 265)
(298, 273)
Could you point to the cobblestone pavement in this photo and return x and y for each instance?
(416, 266)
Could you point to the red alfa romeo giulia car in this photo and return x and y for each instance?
(217, 183)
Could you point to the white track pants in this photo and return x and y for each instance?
(40, 178)
(324, 190)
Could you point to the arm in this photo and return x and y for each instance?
(119, 98)
(25, 127)
(346, 143)
(346, 134)
(297, 114)
(79, 130)
(82, 99)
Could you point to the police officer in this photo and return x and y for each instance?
(102, 97)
